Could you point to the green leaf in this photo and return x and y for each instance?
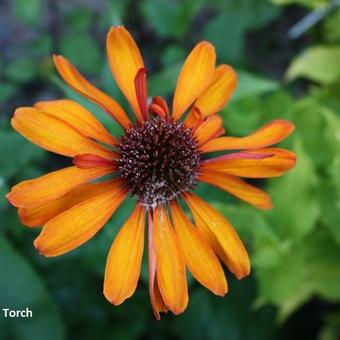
(242, 116)
(229, 46)
(41, 46)
(21, 287)
(237, 17)
(266, 246)
(6, 91)
(79, 19)
(318, 63)
(246, 114)
(250, 84)
(3, 191)
(16, 153)
(331, 329)
(83, 50)
(331, 27)
(309, 267)
(172, 54)
(22, 70)
(295, 199)
(164, 82)
(319, 128)
(214, 318)
(308, 3)
(330, 200)
(170, 18)
(28, 12)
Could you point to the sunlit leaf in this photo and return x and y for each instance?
(309, 267)
(295, 199)
(319, 63)
(308, 3)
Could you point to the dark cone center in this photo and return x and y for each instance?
(159, 159)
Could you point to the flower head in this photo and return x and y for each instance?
(158, 160)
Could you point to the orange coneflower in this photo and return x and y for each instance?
(158, 161)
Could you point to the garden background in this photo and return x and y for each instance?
(294, 289)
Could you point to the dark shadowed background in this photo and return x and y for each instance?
(294, 289)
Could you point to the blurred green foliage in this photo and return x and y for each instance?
(294, 289)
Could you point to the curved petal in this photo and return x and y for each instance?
(217, 94)
(194, 77)
(156, 299)
(53, 185)
(271, 133)
(124, 261)
(38, 215)
(193, 118)
(78, 224)
(74, 79)
(210, 128)
(142, 92)
(79, 118)
(159, 107)
(169, 263)
(278, 163)
(125, 61)
(53, 134)
(221, 235)
(199, 257)
(88, 160)
(238, 188)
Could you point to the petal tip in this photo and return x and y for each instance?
(10, 198)
(38, 247)
(56, 57)
(243, 272)
(111, 299)
(114, 30)
(221, 292)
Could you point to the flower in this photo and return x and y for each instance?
(158, 160)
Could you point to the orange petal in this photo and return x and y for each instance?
(78, 224)
(170, 263)
(194, 77)
(271, 133)
(125, 61)
(53, 134)
(221, 236)
(157, 301)
(124, 261)
(79, 118)
(159, 107)
(281, 160)
(210, 128)
(217, 94)
(74, 79)
(37, 215)
(199, 257)
(142, 92)
(238, 188)
(193, 117)
(53, 185)
(88, 161)
(158, 304)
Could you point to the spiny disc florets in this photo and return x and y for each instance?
(159, 159)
